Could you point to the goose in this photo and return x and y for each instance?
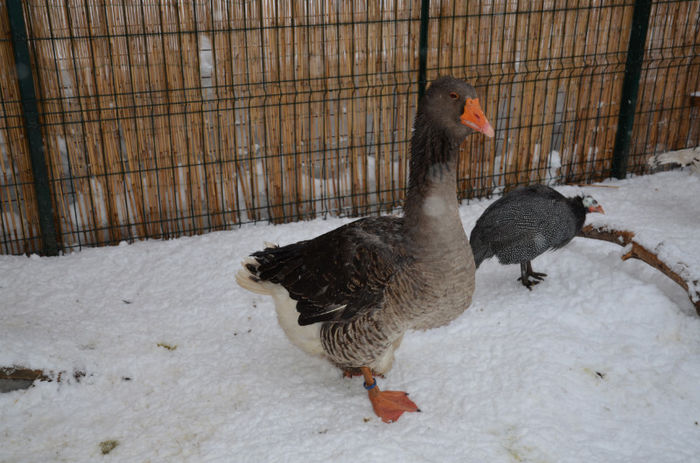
(349, 295)
(525, 223)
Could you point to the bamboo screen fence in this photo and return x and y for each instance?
(167, 118)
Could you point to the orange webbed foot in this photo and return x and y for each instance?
(390, 405)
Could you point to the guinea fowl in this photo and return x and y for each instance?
(351, 294)
(525, 223)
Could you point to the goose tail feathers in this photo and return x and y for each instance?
(247, 279)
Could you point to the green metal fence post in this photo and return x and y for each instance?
(630, 87)
(32, 128)
(423, 47)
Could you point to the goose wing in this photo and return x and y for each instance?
(339, 275)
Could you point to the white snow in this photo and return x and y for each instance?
(685, 157)
(205, 56)
(553, 168)
(3, 155)
(599, 363)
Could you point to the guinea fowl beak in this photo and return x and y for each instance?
(473, 117)
(597, 208)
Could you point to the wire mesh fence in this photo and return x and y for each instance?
(167, 118)
(668, 114)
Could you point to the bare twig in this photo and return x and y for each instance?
(25, 374)
(637, 251)
(586, 185)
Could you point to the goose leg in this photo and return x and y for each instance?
(526, 272)
(388, 405)
(351, 372)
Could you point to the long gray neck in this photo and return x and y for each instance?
(431, 207)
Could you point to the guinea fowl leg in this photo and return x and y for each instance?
(526, 272)
(388, 405)
(537, 275)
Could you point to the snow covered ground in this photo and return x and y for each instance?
(599, 363)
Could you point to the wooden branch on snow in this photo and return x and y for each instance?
(588, 185)
(26, 374)
(637, 251)
(22, 374)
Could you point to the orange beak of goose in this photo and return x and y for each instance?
(596, 208)
(473, 117)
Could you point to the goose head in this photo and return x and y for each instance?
(453, 105)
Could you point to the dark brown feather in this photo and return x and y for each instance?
(339, 275)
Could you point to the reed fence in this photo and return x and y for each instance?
(167, 118)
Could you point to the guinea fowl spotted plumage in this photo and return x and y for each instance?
(352, 293)
(525, 223)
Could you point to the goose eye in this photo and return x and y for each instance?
(453, 95)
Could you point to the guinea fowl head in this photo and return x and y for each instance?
(591, 204)
(452, 104)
